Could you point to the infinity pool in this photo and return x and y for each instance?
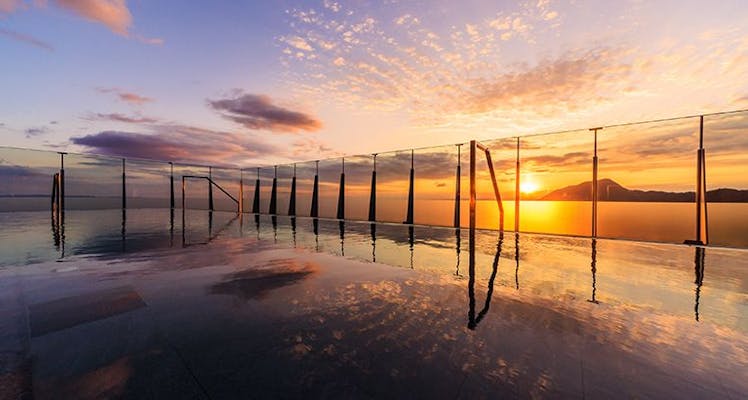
(153, 305)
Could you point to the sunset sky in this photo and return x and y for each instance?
(258, 82)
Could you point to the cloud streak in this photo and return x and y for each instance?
(127, 97)
(178, 143)
(113, 14)
(117, 117)
(20, 37)
(257, 112)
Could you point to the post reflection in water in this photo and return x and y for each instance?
(516, 260)
(699, 256)
(274, 221)
(411, 242)
(257, 225)
(124, 230)
(293, 231)
(58, 232)
(457, 250)
(315, 227)
(593, 268)
(171, 227)
(373, 228)
(341, 229)
(474, 320)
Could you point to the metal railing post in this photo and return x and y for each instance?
(594, 184)
(61, 184)
(292, 199)
(273, 210)
(472, 188)
(256, 202)
(516, 191)
(341, 192)
(373, 192)
(457, 188)
(171, 184)
(409, 215)
(314, 212)
(210, 188)
(241, 191)
(124, 186)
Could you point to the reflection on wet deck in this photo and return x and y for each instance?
(266, 307)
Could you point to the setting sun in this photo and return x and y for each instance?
(528, 187)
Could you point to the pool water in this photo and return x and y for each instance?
(220, 306)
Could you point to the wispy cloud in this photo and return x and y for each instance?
(113, 14)
(178, 143)
(126, 96)
(118, 117)
(258, 112)
(36, 132)
(26, 38)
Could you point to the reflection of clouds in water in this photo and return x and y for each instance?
(423, 316)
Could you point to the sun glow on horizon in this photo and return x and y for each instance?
(528, 187)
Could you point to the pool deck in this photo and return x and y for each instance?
(242, 317)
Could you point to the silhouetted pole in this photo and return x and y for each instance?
(292, 199)
(183, 199)
(702, 231)
(516, 191)
(471, 240)
(256, 202)
(315, 192)
(341, 192)
(210, 188)
(457, 190)
(373, 192)
(409, 216)
(274, 193)
(124, 186)
(171, 184)
(62, 182)
(594, 185)
(472, 190)
(241, 193)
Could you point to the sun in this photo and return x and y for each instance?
(528, 187)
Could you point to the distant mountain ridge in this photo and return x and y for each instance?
(609, 190)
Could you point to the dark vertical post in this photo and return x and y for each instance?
(457, 189)
(315, 193)
(274, 193)
(61, 204)
(183, 190)
(256, 202)
(472, 188)
(341, 192)
(409, 215)
(702, 229)
(373, 192)
(171, 183)
(594, 185)
(210, 188)
(241, 192)
(516, 191)
(124, 186)
(471, 240)
(292, 199)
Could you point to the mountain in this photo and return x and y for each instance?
(609, 190)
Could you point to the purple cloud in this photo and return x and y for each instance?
(26, 39)
(258, 112)
(117, 117)
(177, 143)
